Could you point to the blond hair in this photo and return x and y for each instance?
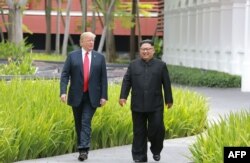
(84, 34)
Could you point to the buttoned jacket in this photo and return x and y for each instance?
(147, 82)
(73, 72)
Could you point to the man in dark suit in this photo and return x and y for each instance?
(86, 70)
(146, 76)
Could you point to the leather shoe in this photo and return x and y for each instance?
(140, 161)
(157, 157)
(83, 156)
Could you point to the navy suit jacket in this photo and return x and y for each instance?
(73, 72)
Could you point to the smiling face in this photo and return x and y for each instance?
(147, 51)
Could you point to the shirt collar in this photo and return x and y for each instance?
(84, 52)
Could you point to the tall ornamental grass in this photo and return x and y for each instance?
(188, 116)
(112, 124)
(35, 123)
(232, 130)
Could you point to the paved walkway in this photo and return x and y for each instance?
(54, 69)
(221, 102)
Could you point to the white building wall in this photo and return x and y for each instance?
(209, 34)
(245, 81)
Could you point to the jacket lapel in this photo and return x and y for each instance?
(80, 59)
(93, 58)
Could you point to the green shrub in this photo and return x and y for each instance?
(35, 123)
(13, 67)
(14, 51)
(233, 130)
(18, 61)
(200, 77)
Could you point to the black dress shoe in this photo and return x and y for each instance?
(140, 161)
(83, 156)
(157, 157)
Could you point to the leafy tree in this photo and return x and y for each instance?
(107, 8)
(15, 33)
(66, 30)
(128, 13)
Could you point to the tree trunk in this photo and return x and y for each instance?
(70, 38)
(84, 14)
(110, 46)
(138, 24)
(16, 25)
(104, 32)
(98, 13)
(132, 32)
(110, 43)
(10, 22)
(102, 41)
(66, 31)
(58, 24)
(15, 32)
(48, 7)
(93, 23)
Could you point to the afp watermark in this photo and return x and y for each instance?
(236, 154)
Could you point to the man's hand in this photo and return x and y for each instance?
(169, 105)
(64, 98)
(102, 101)
(122, 102)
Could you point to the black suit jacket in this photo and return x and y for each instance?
(146, 79)
(73, 72)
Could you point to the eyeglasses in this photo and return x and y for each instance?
(145, 49)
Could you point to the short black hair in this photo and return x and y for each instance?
(147, 41)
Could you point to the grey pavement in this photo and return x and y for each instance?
(221, 102)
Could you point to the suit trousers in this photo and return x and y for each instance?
(83, 115)
(147, 126)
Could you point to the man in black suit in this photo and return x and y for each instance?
(146, 76)
(86, 70)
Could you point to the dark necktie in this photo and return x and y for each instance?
(86, 72)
